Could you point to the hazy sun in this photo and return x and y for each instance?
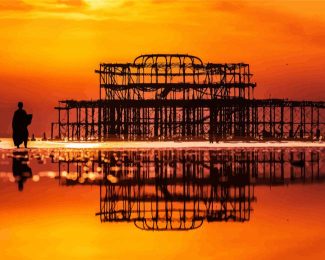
(97, 4)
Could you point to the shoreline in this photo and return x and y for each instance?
(7, 143)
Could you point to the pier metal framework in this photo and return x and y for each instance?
(168, 189)
(178, 97)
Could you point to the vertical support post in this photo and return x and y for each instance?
(318, 126)
(99, 122)
(156, 123)
(311, 122)
(264, 123)
(52, 130)
(92, 131)
(68, 123)
(105, 122)
(282, 121)
(271, 120)
(78, 122)
(86, 123)
(59, 117)
(302, 125)
(100, 82)
(291, 131)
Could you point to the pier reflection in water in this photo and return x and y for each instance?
(171, 189)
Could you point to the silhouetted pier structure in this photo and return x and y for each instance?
(168, 189)
(178, 97)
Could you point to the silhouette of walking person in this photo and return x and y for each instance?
(20, 122)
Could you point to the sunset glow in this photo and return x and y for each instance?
(50, 48)
(52, 220)
(162, 129)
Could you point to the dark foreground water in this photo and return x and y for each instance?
(162, 204)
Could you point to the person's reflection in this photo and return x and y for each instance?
(20, 168)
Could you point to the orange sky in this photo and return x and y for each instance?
(50, 48)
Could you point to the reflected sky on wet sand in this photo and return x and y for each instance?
(163, 203)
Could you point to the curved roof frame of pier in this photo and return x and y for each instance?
(174, 76)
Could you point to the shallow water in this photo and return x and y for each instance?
(163, 203)
(6, 143)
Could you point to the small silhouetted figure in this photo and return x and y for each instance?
(210, 135)
(291, 133)
(20, 122)
(318, 133)
(301, 133)
(20, 168)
